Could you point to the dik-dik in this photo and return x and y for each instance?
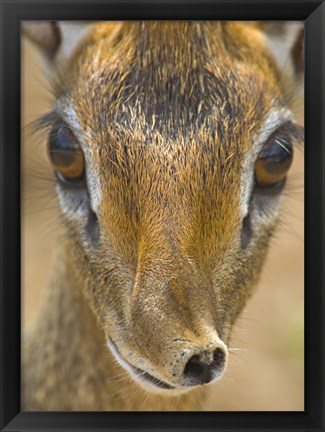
(170, 144)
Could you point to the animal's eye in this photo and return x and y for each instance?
(66, 155)
(275, 159)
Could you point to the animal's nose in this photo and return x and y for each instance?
(204, 367)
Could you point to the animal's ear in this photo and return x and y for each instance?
(285, 39)
(55, 38)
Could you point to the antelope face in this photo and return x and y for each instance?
(171, 144)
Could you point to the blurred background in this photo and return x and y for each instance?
(266, 366)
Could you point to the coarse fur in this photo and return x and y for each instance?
(165, 243)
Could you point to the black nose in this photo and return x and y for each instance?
(199, 371)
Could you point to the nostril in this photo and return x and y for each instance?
(196, 372)
(219, 358)
(200, 371)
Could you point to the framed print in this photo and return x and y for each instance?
(161, 264)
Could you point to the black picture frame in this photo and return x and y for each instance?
(12, 12)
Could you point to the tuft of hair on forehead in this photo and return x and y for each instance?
(169, 77)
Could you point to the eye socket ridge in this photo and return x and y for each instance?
(275, 159)
(66, 156)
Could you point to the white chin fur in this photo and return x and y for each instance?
(151, 388)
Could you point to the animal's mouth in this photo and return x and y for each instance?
(138, 374)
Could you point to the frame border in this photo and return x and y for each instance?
(11, 12)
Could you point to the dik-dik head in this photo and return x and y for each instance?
(170, 145)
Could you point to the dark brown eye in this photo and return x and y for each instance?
(66, 155)
(274, 161)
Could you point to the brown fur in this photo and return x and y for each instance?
(169, 112)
